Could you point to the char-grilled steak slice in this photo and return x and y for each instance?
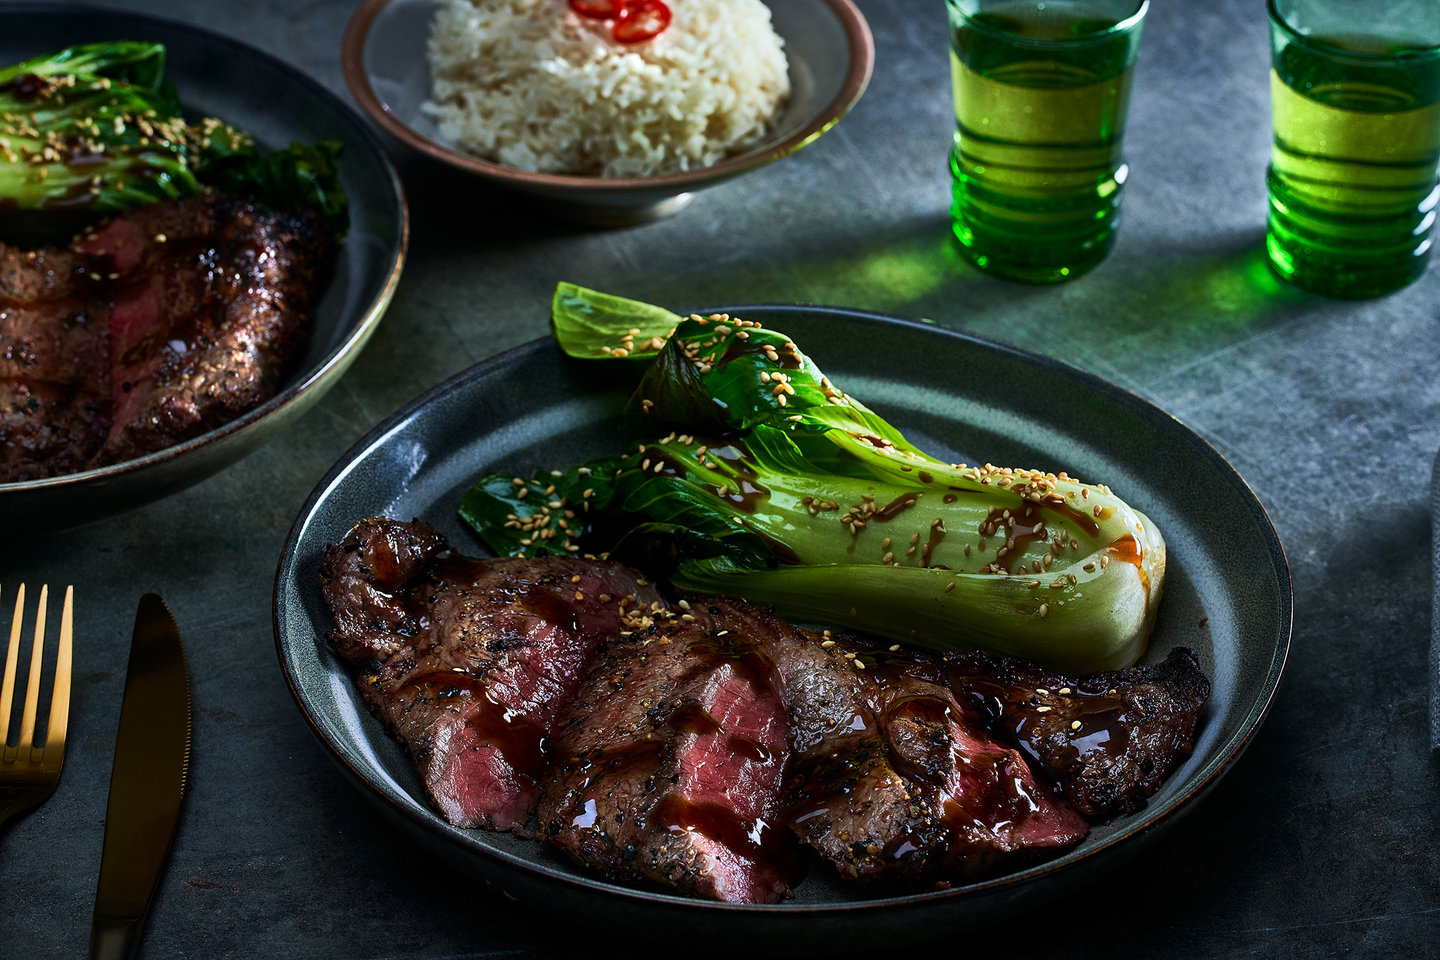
(151, 329)
(892, 778)
(211, 303)
(1108, 739)
(470, 661)
(670, 765)
(54, 391)
(889, 777)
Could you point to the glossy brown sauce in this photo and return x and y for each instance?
(520, 740)
(1022, 526)
(962, 790)
(25, 87)
(1104, 722)
(894, 508)
(755, 346)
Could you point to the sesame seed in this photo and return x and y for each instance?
(1074, 724)
(1064, 691)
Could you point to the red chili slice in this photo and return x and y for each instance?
(599, 9)
(641, 20)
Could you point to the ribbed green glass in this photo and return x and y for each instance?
(1352, 176)
(1041, 89)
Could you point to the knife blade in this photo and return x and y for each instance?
(147, 781)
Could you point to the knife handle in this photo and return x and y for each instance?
(113, 938)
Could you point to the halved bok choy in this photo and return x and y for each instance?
(754, 476)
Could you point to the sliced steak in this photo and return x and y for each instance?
(893, 779)
(670, 765)
(54, 385)
(1107, 739)
(149, 330)
(889, 777)
(470, 661)
(212, 303)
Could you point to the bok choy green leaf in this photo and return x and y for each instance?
(95, 130)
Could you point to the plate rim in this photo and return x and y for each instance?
(337, 357)
(437, 830)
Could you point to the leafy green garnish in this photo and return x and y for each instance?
(95, 130)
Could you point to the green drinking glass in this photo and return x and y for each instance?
(1041, 90)
(1355, 99)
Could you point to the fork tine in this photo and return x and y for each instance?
(12, 655)
(32, 689)
(60, 698)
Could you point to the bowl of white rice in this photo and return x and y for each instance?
(531, 95)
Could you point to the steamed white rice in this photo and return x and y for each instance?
(529, 84)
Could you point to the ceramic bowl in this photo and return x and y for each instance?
(218, 77)
(828, 43)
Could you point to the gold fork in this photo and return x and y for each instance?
(29, 773)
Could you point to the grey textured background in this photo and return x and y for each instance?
(1321, 842)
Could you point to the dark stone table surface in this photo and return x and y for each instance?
(1321, 842)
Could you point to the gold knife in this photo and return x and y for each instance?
(147, 781)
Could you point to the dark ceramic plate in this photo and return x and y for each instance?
(277, 104)
(1227, 594)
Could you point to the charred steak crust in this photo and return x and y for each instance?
(670, 764)
(1108, 739)
(469, 662)
(150, 329)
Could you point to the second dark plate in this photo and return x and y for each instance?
(277, 104)
(1227, 594)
